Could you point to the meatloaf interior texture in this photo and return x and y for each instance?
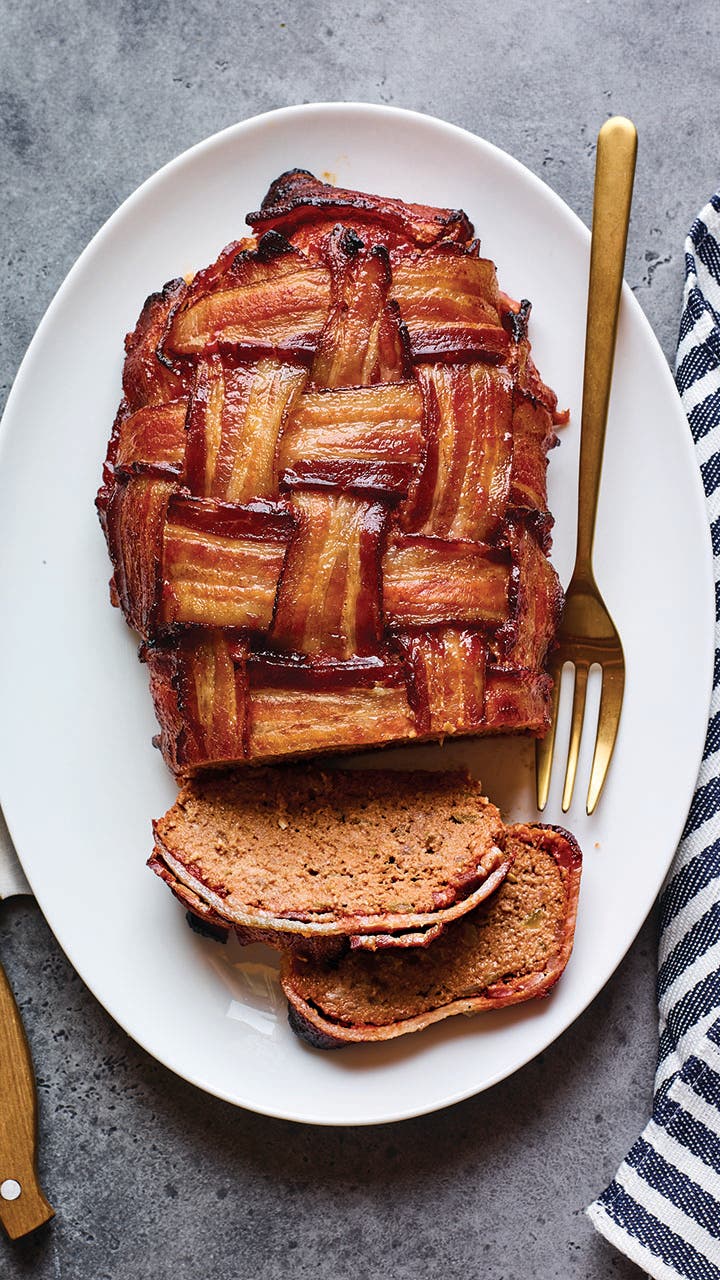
(511, 948)
(312, 845)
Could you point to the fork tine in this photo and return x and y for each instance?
(544, 746)
(578, 712)
(611, 700)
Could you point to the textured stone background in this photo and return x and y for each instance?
(151, 1178)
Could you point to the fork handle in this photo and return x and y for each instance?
(614, 173)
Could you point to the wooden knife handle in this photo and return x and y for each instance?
(24, 1210)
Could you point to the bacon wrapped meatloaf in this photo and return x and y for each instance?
(324, 494)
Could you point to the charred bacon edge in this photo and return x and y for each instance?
(297, 196)
(259, 520)
(386, 479)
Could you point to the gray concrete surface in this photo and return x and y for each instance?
(151, 1178)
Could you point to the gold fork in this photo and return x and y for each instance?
(587, 634)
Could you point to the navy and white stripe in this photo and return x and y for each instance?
(663, 1207)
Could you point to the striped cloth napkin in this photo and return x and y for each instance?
(663, 1207)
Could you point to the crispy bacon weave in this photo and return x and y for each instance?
(325, 490)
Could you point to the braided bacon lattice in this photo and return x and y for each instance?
(324, 494)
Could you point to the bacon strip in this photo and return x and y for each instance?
(539, 602)
(146, 380)
(464, 488)
(447, 678)
(152, 440)
(273, 303)
(429, 581)
(527, 378)
(328, 600)
(286, 721)
(199, 687)
(222, 564)
(362, 342)
(517, 700)
(370, 423)
(268, 668)
(379, 479)
(449, 303)
(298, 196)
(355, 437)
(533, 436)
(235, 418)
(206, 279)
(135, 523)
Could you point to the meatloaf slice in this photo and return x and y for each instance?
(298, 855)
(512, 948)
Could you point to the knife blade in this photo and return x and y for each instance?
(12, 876)
(23, 1207)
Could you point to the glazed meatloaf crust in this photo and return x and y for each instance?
(300, 855)
(512, 948)
(324, 495)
